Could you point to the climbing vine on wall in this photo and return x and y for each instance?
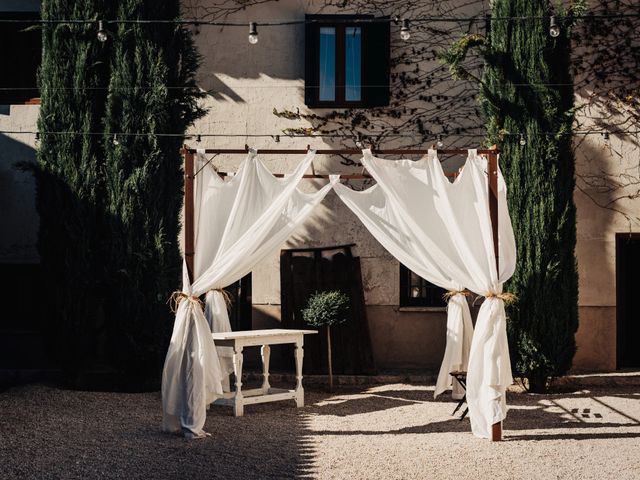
(427, 102)
(424, 103)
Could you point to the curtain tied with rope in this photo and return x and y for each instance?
(237, 224)
(441, 230)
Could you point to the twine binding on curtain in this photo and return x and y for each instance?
(177, 297)
(226, 294)
(506, 297)
(452, 293)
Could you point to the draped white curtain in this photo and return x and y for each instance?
(237, 224)
(442, 231)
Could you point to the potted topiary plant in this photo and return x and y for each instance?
(325, 309)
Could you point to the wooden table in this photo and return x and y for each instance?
(264, 339)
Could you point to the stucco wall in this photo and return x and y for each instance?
(252, 80)
(248, 82)
(597, 227)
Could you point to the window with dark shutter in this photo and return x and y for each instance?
(20, 56)
(346, 61)
(415, 291)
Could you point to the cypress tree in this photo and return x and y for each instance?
(70, 185)
(527, 88)
(151, 90)
(109, 207)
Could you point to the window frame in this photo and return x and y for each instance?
(340, 27)
(373, 35)
(406, 300)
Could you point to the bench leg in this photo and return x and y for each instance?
(238, 400)
(299, 390)
(266, 353)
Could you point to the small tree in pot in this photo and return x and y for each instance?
(325, 309)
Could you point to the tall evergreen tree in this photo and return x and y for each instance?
(151, 90)
(109, 207)
(70, 184)
(527, 88)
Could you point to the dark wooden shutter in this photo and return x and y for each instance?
(310, 62)
(376, 55)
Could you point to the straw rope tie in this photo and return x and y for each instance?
(506, 297)
(228, 297)
(178, 297)
(452, 293)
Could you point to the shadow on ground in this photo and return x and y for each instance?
(52, 433)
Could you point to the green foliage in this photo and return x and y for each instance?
(326, 308)
(109, 209)
(455, 55)
(527, 88)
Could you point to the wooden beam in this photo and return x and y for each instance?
(337, 151)
(343, 176)
(189, 244)
(492, 167)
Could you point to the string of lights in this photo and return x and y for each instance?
(278, 23)
(103, 34)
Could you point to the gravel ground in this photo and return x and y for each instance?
(386, 432)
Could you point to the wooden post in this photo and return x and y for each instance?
(189, 245)
(492, 167)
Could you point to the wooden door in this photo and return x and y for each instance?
(305, 271)
(240, 309)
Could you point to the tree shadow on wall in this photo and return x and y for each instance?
(89, 280)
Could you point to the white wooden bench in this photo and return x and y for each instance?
(264, 339)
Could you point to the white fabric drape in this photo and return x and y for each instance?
(442, 231)
(237, 224)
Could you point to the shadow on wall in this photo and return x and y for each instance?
(81, 329)
(226, 52)
(595, 253)
(17, 203)
(22, 348)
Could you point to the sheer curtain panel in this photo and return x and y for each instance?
(237, 223)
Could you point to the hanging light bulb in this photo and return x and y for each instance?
(523, 142)
(554, 29)
(115, 139)
(606, 137)
(253, 33)
(405, 34)
(37, 137)
(103, 34)
(440, 143)
(199, 138)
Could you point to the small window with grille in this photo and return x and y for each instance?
(415, 291)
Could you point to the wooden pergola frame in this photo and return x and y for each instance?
(189, 176)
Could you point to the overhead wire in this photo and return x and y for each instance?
(200, 22)
(277, 23)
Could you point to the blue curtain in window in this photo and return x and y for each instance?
(352, 66)
(327, 64)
